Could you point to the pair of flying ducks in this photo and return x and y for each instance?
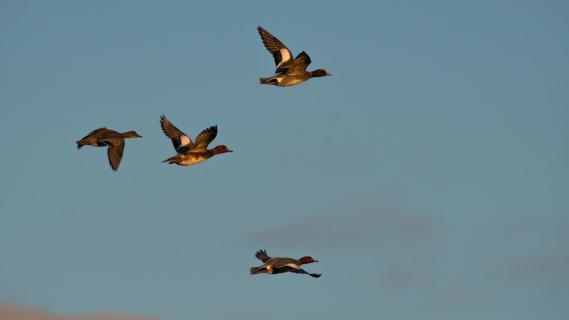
(188, 152)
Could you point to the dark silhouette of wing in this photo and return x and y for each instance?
(115, 148)
(281, 54)
(262, 255)
(178, 137)
(204, 139)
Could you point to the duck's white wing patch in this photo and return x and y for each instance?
(292, 265)
(280, 52)
(185, 140)
(286, 57)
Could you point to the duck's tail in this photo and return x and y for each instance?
(80, 144)
(257, 270)
(172, 160)
(268, 81)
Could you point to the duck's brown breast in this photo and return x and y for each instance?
(293, 79)
(193, 158)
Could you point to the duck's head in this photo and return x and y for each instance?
(221, 149)
(131, 134)
(306, 260)
(320, 73)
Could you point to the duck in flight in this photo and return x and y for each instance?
(278, 265)
(290, 71)
(114, 141)
(190, 152)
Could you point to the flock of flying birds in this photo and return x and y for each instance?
(289, 72)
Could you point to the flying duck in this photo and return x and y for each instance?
(188, 152)
(290, 71)
(278, 265)
(114, 141)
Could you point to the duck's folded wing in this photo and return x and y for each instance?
(115, 148)
(300, 63)
(178, 138)
(262, 255)
(278, 262)
(281, 54)
(204, 139)
(94, 132)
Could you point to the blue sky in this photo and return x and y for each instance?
(428, 175)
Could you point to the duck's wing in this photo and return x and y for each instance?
(115, 148)
(287, 268)
(95, 132)
(179, 139)
(300, 63)
(93, 135)
(278, 262)
(262, 255)
(300, 270)
(281, 54)
(203, 139)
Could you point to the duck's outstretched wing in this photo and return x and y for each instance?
(203, 140)
(179, 138)
(287, 268)
(257, 270)
(262, 255)
(300, 63)
(281, 54)
(115, 148)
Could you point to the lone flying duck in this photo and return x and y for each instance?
(290, 71)
(278, 265)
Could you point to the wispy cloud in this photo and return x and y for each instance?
(552, 269)
(11, 312)
(352, 222)
(547, 263)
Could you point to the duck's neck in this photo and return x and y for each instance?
(319, 73)
(129, 134)
(218, 150)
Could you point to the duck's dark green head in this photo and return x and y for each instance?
(320, 73)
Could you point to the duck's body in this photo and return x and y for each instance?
(189, 152)
(289, 71)
(187, 159)
(286, 80)
(113, 140)
(276, 265)
(191, 158)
